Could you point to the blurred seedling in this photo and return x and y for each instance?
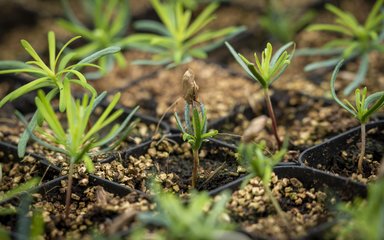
(282, 23)
(110, 21)
(178, 39)
(200, 218)
(252, 157)
(357, 42)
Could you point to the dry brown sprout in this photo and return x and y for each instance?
(190, 87)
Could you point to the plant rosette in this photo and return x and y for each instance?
(315, 39)
(169, 161)
(305, 118)
(308, 198)
(220, 91)
(98, 205)
(339, 155)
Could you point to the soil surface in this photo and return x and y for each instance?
(218, 90)
(344, 162)
(303, 208)
(170, 164)
(93, 208)
(304, 119)
(16, 172)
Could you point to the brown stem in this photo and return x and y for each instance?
(69, 190)
(272, 116)
(195, 167)
(362, 149)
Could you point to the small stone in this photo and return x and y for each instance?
(176, 188)
(75, 197)
(152, 152)
(163, 176)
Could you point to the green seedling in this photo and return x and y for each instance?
(4, 211)
(251, 156)
(28, 226)
(78, 140)
(363, 219)
(110, 20)
(17, 190)
(178, 39)
(364, 107)
(283, 24)
(199, 219)
(195, 132)
(266, 72)
(359, 40)
(51, 76)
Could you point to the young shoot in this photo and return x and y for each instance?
(49, 75)
(357, 42)
(265, 72)
(199, 219)
(251, 156)
(78, 140)
(282, 24)
(27, 226)
(195, 129)
(110, 20)
(363, 219)
(363, 109)
(178, 39)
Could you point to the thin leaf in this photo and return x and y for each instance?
(333, 92)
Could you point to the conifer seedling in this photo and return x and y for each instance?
(265, 72)
(179, 37)
(110, 21)
(356, 42)
(77, 141)
(195, 129)
(365, 106)
(252, 157)
(49, 75)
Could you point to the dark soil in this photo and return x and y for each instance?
(171, 164)
(92, 208)
(306, 120)
(344, 162)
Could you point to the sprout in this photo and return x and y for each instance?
(359, 40)
(364, 107)
(195, 131)
(283, 24)
(199, 219)
(51, 75)
(251, 156)
(177, 40)
(77, 141)
(265, 72)
(110, 20)
(363, 219)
